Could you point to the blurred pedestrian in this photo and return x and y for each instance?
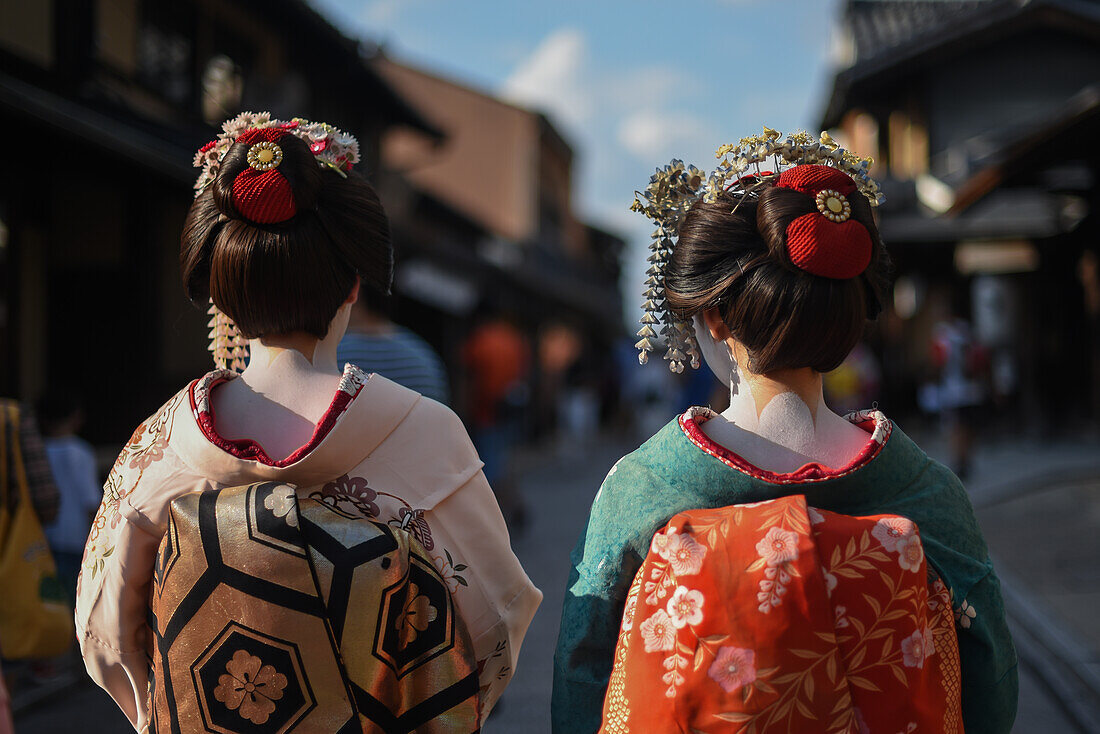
(72, 462)
(959, 392)
(496, 358)
(374, 343)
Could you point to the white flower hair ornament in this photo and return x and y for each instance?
(332, 148)
(674, 189)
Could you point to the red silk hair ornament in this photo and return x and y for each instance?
(825, 246)
(263, 196)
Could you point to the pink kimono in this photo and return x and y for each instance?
(380, 451)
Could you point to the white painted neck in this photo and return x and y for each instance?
(776, 423)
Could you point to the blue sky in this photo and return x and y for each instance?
(629, 84)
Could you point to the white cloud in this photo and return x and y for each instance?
(655, 134)
(552, 78)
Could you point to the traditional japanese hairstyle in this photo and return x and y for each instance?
(790, 256)
(280, 230)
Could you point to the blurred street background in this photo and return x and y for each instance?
(505, 142)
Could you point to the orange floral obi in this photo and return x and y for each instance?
(777, 617)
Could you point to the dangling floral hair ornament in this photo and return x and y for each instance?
(262, 194)
(826, 243)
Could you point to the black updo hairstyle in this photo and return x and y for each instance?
(294, 275)
(732, 255)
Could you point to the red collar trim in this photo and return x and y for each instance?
(874, 422)
(246, 449)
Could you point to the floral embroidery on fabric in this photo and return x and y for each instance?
(682, 552)
(416, 615)
(628, 612)
(658, 632)
(348, 496)
(494, 680)
(854, 628)
(891, 530)
(778, 550)
(146, 446)
(911, 554)
(283, 503)
(732, 668)
(965, 614)
(685, 607)
(916, 647)
(449, 571)
(250, 687)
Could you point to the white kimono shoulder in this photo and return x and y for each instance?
(391, 454)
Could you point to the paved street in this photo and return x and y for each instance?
(1021, 516)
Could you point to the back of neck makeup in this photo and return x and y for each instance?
(286, 389)
(778, 422)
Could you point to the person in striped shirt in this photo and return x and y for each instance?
(375, 344)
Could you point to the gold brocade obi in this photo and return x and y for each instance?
(274, 613)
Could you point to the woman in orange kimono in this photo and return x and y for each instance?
(777, 567)
(296, 498)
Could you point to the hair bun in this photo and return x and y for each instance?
(813, 218)
(267, 177)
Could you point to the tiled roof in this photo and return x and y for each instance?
(879, 25)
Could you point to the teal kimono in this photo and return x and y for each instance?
(676, 471)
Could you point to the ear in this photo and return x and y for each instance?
(715, 325)
(354, 295)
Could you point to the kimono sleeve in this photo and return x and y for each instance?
(112, 604)
(990, 684)
(509, 593)
(606, 558)
(953, 541)
(430, 460)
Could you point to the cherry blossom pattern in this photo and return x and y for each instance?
(777, 549)
(658, 632)
(685, 607)
(282, 503)
(249, 687)
(148, 454)
(910, 553)
(733, 668)
(147, 445)
(965, 614)
(917, 647)
(891, 530)
(415, 616)
(683, 553)
(449, 571)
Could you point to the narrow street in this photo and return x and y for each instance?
(558, 487)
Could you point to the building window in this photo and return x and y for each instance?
(908, 147)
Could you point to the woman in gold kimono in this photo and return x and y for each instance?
(284, 497)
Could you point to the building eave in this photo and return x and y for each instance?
(129, 142)
(999, 18)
